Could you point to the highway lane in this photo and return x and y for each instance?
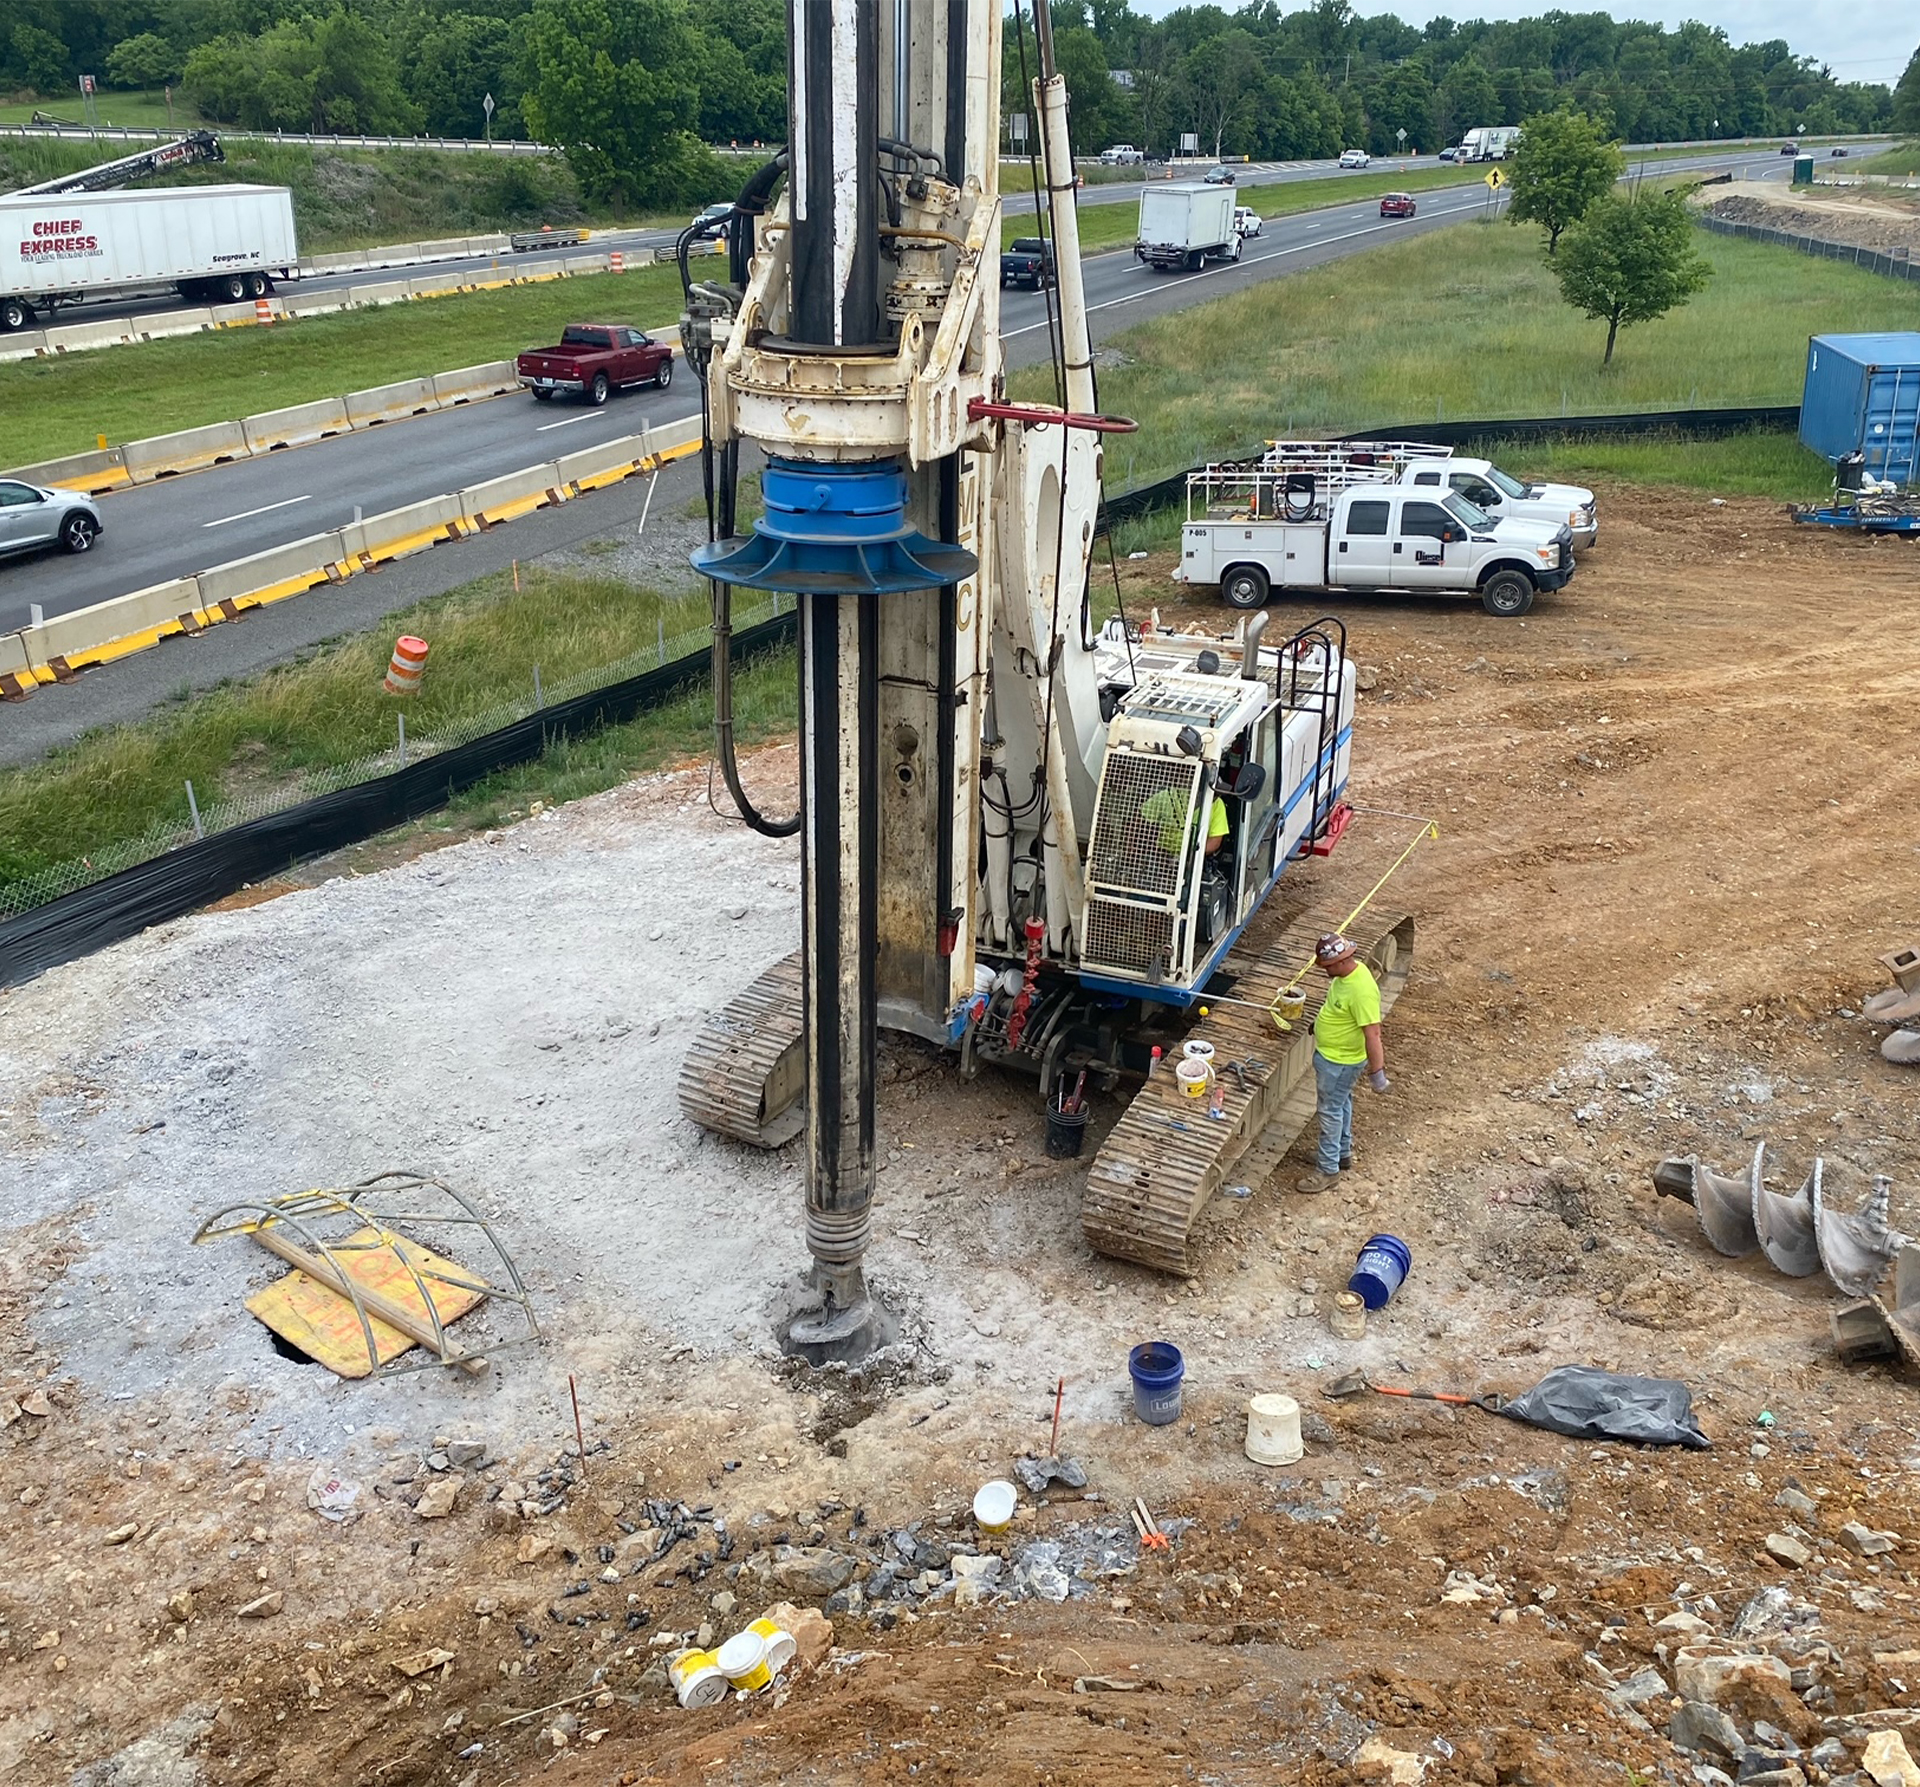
(183, 525)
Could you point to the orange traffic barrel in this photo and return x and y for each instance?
(262, 310)
(409, 659)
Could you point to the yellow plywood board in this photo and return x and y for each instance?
(323, 1324)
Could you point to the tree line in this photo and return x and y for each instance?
(632, 88)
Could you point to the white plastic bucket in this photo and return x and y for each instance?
(993, 1505)
(697, 1679)
(1273, 1430)
(780, 1644)
(1194, 1077)
(1194, 1049)
(743, 1661)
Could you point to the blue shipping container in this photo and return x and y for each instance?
(1863, 395)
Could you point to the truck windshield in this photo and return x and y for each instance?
(1508, 483)
(1461, 510)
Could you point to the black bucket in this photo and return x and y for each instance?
(1066, 1130)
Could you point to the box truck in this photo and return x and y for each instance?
(211, 244)
(1181, 226)
(1488, 143)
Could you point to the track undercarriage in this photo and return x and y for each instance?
(1166, 1156)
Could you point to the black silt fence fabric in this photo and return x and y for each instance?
(1694, 424)
(193, 876)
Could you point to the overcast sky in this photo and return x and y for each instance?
(1861, 42)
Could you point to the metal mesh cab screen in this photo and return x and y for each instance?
(1133, 940)
(1128, 851)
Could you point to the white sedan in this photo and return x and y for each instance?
(1246, 220)
(1355, 158)
(32, 517)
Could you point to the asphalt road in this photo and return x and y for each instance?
(183, 525)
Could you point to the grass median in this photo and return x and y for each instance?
(56, 406)
(1468, 322)
(262, 737)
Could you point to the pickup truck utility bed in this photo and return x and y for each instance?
(593, 360)
(1335, 525)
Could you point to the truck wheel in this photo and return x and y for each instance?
(1245, 586)
(1507, 594)
(1192, 263)
(78, 532)
(14, 314)
(256, 285)
(540, 396)
(597, 391)
(664, 377)
(233, 288)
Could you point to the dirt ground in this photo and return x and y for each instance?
(1673, 806)
(1860, 217)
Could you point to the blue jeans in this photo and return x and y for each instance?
(1334, 1082)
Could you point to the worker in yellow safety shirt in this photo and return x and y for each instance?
(1168, 809)
(1346, 1044)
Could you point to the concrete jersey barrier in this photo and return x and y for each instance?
(164, 455)
(298, 425)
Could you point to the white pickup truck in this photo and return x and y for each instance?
(1506, 498)
(1252, 531)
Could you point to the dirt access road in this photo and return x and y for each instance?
(1673, 807)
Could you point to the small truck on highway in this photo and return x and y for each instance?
(1181, 226)
(1326, 518)
(1028, 262)
(593, 360)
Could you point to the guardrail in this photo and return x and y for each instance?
(1895, 263)
(59, 649)
(145, 133)
(66, 338)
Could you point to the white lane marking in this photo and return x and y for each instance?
(564, 422)
(267, 509)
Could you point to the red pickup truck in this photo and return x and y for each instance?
(593, 360)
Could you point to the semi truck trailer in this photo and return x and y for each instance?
(211, 244)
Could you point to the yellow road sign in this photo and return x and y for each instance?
(1495, 179)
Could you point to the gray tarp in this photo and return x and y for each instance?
(1591, 1404)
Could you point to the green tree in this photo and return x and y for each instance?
(1906, 99)
(1631, 259)
(40, 57)
(612, 85)
(1559, 168)
(144, 61)
(1465, 99)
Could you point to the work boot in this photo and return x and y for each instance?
(1346, 1163)
(1318, 1181)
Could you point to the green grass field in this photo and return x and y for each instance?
(57, 406)
(329, 708)
(1463, 323)
(1901, 159)
(112, 109)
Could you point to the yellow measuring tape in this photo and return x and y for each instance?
(1289, 1003)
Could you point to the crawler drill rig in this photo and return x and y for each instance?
(1003, 817)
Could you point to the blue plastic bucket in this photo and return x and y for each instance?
(1156, 1368)
(1380, 1270)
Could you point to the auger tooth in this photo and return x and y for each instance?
(1856, 1248)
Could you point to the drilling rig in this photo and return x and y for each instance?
(1023, 840)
